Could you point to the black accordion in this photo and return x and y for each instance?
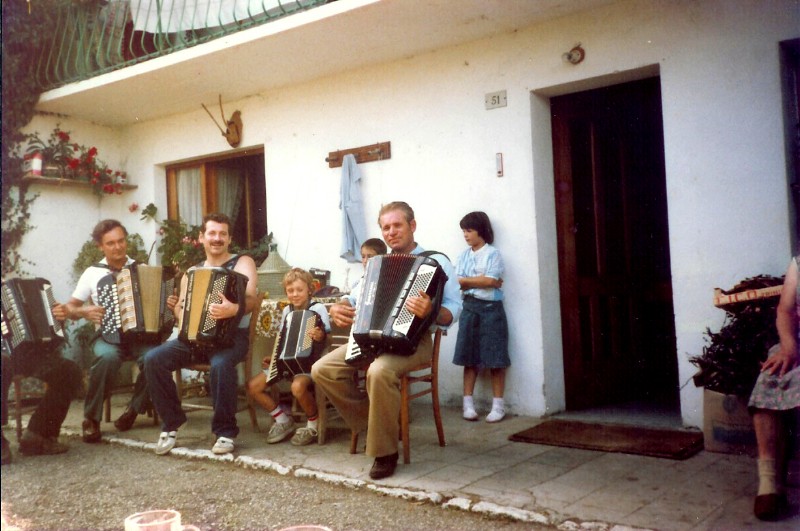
(383, 324)
(28, 326)
(205, 286)
(135, 303)
(295, 351)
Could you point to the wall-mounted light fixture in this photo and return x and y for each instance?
(575, 55)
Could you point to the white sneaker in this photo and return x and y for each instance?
(280, 432)
(166, 442)
(470, 413)
(224, 445)
(496, 415)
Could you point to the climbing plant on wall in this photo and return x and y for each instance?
(22, 34)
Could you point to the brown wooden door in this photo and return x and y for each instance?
(614, 267)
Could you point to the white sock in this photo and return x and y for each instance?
(279, 415)
(766, 477)
(498, 404)
(312, 424)
(468, 404)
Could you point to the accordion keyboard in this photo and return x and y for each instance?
(12, 315)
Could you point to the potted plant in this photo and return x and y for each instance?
(64, 159)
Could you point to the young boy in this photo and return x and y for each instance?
(371, 247)
(298, 285)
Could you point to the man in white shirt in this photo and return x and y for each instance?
(111, 238)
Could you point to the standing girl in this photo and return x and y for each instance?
(483, 330)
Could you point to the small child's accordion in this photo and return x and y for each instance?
(135, 305)
(383, 323)
(295, 351)
(207, 285)
(28, 326)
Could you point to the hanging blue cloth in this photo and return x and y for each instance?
(354, 230)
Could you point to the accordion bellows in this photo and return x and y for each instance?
(383, 323)
(205, 286)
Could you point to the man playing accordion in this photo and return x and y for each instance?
(160, 362)
(111, 238)
(379, 410)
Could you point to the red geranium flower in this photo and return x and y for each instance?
(73, 163)
(64, 137)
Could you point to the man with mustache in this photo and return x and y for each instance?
(160, 362)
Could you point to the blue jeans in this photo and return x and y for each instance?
(103, 376)
(163, 360)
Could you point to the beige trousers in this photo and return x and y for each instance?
(379, 411)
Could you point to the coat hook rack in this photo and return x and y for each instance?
(373, 152)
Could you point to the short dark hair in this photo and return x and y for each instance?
(479, 222)
(376, 244)
(217, 217)
(397, 205)
(105, 226)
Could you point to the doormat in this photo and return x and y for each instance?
(654, 442)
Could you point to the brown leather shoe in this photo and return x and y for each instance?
(91, 431)
(383, 467)
(34, 444)
(770, 507)
(126, 420)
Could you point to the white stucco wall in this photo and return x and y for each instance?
(728, 215)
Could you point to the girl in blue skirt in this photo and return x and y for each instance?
(483, 330)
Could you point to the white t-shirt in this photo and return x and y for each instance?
(86, 290)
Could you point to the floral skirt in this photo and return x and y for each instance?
(776, 393)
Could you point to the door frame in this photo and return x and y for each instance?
(546, 236)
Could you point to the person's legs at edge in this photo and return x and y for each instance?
(768, 426)
(63, 378)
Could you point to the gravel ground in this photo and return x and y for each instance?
(96, 486)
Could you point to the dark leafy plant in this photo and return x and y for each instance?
(730, 362)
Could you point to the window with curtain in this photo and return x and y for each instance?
(233, 185)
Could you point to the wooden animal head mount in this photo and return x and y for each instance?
(233, 132)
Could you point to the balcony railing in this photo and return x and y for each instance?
(92, 37)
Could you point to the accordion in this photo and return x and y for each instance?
(207, 285)
(135, 304)
(383, 323)
(28, 326)
(295, 351)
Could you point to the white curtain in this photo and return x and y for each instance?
(230, 188)
(190, 199)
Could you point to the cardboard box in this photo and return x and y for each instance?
(727, 426)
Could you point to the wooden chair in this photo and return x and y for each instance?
(425, 373)
(126, 388)
(206, 368)
(338, 337)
